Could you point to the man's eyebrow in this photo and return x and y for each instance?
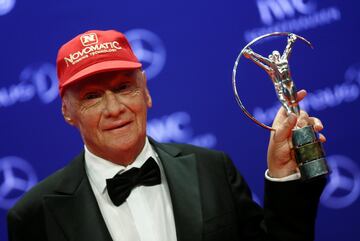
(131, 72)
(126, 73)
(89, 87)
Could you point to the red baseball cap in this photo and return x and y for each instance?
(93, 52)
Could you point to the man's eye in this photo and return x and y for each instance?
(121, 88)
(90, 96)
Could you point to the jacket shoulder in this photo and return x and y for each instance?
(187, 149)
(32, 199)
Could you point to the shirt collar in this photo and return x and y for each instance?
(99, 169)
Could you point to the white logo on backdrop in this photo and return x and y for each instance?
(291, 16)
(176, 127)
(321, 99)
(149, 49)
(6, 6)
(18, 177)
(39, 80)
(281, 9)
(343, 188)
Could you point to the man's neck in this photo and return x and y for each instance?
(120, 157)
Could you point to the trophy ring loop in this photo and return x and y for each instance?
(242, 107)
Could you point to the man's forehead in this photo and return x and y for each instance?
(107, 78)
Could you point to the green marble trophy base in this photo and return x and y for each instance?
(309, 153)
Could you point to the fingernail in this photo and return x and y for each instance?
(318, 127)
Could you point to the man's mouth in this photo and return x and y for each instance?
(117, 125)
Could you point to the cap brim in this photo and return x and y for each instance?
(99, 68)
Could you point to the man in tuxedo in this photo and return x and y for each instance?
(126, 186)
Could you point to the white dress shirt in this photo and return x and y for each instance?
(147, 213)
(291, 177)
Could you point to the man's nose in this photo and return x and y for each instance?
(113, 105)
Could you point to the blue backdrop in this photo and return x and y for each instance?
(188, 49)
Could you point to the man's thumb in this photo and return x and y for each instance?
(286, 127)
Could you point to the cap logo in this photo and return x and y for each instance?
(93, 49)
(89, 39)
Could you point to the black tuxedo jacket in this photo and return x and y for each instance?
(210, 199)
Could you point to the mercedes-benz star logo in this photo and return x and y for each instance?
(149, 49)
(344, 186)
(16, 177)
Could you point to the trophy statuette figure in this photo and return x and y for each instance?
(308, 150)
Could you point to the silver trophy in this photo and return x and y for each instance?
(308, 150)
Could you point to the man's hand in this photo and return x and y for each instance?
(281, 161)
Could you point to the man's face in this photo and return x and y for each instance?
(110, 110)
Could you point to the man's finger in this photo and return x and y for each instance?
(283, 131)
(322, 138)
(300, 95)
(281, 115)
(318, 126)
(303, 119)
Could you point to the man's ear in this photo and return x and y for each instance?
(148, 98)
(66, 113)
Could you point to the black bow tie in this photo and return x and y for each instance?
(120, 186)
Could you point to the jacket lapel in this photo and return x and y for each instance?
(74, 207)
(181, 174)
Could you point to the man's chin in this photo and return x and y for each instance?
(126, 143)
